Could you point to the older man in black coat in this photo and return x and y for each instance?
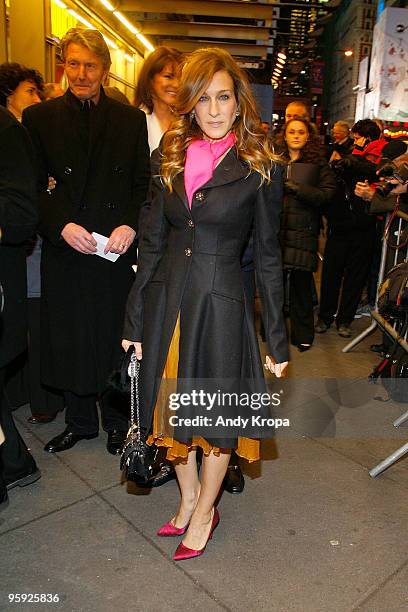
(96, 149)
(18, 220)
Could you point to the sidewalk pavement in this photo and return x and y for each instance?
(312, 532)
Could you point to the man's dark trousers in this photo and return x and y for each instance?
(349, 255)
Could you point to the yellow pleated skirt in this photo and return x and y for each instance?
(247, 448)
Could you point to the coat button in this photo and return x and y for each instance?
(199, 196)
(188, 252)
(110, 205)
(118, 169)
(67, 170)
(190, 223)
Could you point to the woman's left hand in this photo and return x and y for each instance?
(276, 368)
(120, 240)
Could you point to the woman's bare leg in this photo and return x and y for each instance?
(212, 474)
(187, 477)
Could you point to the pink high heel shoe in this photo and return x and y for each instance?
(169, 530)
(182, 552)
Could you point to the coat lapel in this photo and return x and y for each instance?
(231, 169)
(178, 186)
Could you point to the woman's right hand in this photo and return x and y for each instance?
(137, 345)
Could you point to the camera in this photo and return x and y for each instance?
(389, 172)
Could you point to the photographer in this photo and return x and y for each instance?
(393, 181)
(351, 231)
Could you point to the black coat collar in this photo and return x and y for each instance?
(229, 170)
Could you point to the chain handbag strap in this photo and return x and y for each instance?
(133, 371)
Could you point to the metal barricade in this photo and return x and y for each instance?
(390, 257)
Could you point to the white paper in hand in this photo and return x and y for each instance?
(101, 242)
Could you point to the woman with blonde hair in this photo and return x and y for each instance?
(215, 180)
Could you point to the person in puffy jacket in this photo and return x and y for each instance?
(309, 186)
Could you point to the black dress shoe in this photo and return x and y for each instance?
(116, 439)
(234, 481)
(22, 480)
(66, 440)
(302, 348)
(37, 419)
(165, 474)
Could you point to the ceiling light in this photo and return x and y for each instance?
(81, 19)
(110, 42)
(282, 55)
(348, 52)
(125, 22)
(107, 5)
(60, 4)
(145, 42)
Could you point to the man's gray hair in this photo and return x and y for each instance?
(343, 124)
(91, 39)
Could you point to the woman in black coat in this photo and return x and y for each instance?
(18, 220)
(309, 186)
(213, 182)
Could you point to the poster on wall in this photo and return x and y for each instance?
(362, 86)
(317, 78)
(389, 65)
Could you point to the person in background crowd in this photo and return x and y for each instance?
(343, 143)
(20, 87)
(296, 110)
(51, 91)
(102, 174)
(156, 95)
(116, 94)
(18, 220)
(189, 311)
(351, 233)
(309, 187)
(157, 89)
(395, 151)
(367, 141)
(23, 376)
(265, 127)
(380, 124)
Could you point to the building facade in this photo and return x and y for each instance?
(350, 29)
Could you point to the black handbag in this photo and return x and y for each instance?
(138, 459)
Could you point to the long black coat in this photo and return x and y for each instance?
(18, 220)
(189, 264)
(301, 217)
(101, 184)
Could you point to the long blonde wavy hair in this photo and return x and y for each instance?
(252, 144)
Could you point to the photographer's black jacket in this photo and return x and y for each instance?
(346, 212)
